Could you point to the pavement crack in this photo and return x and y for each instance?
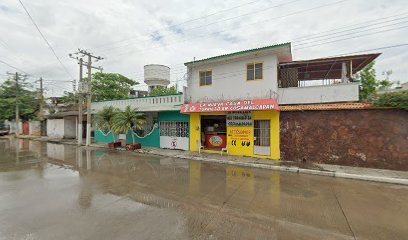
(344, 214)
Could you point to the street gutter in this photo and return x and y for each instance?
(275, 166)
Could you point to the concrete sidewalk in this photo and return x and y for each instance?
(359, 173)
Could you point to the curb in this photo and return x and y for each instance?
(298, 170)
(401, 181)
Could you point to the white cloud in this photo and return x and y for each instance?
(130, 34)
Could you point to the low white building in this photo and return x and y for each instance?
(62, 125)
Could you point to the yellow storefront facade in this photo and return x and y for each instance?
(238, 133)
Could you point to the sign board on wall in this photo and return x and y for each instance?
(240, 140)
(239, 119)
(231, 106)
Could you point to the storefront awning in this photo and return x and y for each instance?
(231, 106)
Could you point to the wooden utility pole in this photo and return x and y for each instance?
(88, 93)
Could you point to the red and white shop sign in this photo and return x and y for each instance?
(231, 106)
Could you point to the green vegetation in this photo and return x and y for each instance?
(28, 104)
(163, 91)
(104, 120)
(368, 81)
(117, 121)
(69, 98)
(391, 99)
(108, 86)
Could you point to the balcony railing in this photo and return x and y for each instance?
(144, 103)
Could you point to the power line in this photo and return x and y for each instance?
(218, 21)
(9, 65)
(140, 74)
(182, 23)
(343, 39)
(352, 29)
(45, 39)
(374, 49)
(241, 26)
(347, 34)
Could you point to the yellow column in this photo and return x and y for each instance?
(195, 131)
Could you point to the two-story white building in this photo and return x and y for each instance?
(233, 99)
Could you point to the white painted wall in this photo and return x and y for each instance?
(229, 80)
(70, 127)
(174, 142)
(142, 104)
(34, 128)
(347, 92)
(55, 128)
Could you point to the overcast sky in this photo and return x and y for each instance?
(132, 33)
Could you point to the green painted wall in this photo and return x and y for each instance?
(173, 116)
(101, 138)
(153, 140)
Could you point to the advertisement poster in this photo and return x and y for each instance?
(239, 119)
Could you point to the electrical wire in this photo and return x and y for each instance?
(222, 20)
(222, 31)
(45, 39)
(184, 22)
(295, 41)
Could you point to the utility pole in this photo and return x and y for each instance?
(17, 110)
(89, 102)
(16, 77)
(88, 93)
(41, 111)
(80, 101)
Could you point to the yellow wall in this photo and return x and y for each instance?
(239, 150)
(275, 130)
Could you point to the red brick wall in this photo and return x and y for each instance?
(364, 138)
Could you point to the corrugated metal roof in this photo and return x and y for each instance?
(319, 107)
(254, 50)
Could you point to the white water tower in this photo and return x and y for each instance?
(156, 76)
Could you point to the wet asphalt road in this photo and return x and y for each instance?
(54, 191)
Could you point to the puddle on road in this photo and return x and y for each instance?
(61, 191)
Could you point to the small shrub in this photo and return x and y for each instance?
(392, 99)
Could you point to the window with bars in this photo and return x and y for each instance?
(254, 71)
(174, 129)
(205, 78)
(262, 132)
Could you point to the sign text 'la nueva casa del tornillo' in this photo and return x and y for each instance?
(231, 106)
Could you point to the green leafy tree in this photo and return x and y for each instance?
(104, 120)
(108, 86)
(69, 98)
(128, 120)
(368, 81)
(385, 84)
(27, 102)
(392, 99)
(160, 91)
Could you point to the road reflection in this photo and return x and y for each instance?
(195, 200)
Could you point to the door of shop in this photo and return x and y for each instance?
(262, 137)
(174, 135)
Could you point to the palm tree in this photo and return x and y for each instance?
(104, 120)
(128, 120)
